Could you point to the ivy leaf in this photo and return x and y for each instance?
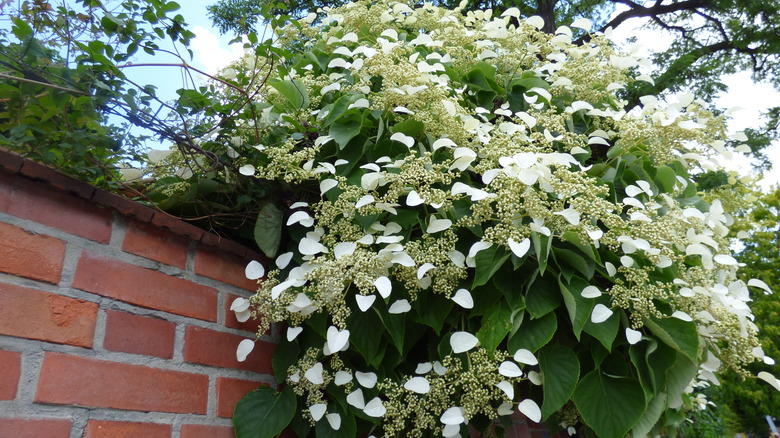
(560, 373)
(611, 406)
(264, 413)
(268, 229)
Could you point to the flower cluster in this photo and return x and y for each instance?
(474, 198)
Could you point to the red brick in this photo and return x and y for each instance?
(124, 206)
(33, 314)
(218, 349)
(45, 205)
(73, 380)
(177, 226)
(230, 391)
(34, 428)
(10, 161)
(203, 431)
(153, 243)
(145, 287)
(11, 364)
(6, 189)
(123, 429)
(250, 325)
(226, 268)
(57, 179)
(139, 334)
(30, 255)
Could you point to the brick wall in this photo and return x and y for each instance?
(114, 318)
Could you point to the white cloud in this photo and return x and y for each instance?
(211, 51)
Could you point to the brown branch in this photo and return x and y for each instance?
(44, 84)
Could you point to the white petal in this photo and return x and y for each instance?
(344, 249)
(384, 286)
(309, 246)
(530, 409)
(244, 348)
(450, 431)
(626, 261)
(327, 184)
(519, 249)
(682, 316)
(355, 398)
(334, 419)
(419, 385)
(423, 269)
(240, 304)
(509, 369)
(367, 380)
(724, 259)
(247, 170)
(535, 378)
(535, 21)
(337, 339)
(403, 259)
(403, 138)
(443, 142)
(375, 408)
(438, 368)
(317, 410)
(314, 374)
(423, 368)
(342, 378)
(600, 314)
(437, 225)
(766, 377)
(413, 199)
(283, 260)
(364, 200)
(477, 247)
(505, 409)
(590, 292)
(454, 415)
(508, 389)
(611, 270)
(463, 341)
(571, 215)
(293, 332)
(400, 306)
(254, 270)
(582, 23)
(525, 356)
(364, 302)
(755, 282)
(463, 298)
(633, 336)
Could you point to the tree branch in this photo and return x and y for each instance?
(44, 84)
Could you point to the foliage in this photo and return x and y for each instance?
(477, 226)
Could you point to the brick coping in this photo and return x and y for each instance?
(17, 165)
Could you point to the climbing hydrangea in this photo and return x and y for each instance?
(478, 226)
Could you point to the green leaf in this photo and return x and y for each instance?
(578, 307)
(666, 178)
(368, 339)
(654, 410)
(677, 379)
(676, 333)
(347, 127)
(410, 127)
(533, 334)
(268, 229)
(488, 261)
(542, 245)
(496, 324)
(264, 413)
(568, 260)
(543, 296)
(293, 90)
(285, 355)
(605, 331)
(610, 406)
(348, 427)
(431, 310)
(560, 373)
